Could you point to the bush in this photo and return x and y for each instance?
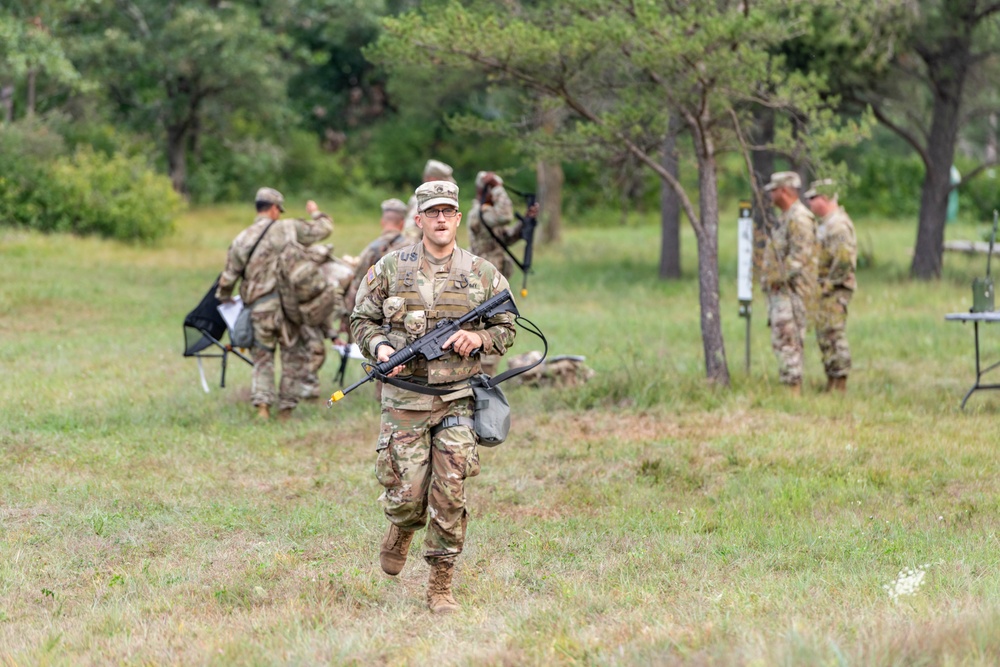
(87, 192)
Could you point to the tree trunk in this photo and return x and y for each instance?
(32, 77)
(716, 367)
(947, 82)
(177, 158)
(550, 180)
(7, 103)
(763, 167)
(550, 183)
(670, 209)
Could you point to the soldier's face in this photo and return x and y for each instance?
(439, 230)
(819, 205)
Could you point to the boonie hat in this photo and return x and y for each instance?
(784, 179)
(270, 196)
(433, 193)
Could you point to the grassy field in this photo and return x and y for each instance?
(644, 519)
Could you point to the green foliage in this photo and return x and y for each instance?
(887, 185)
(83, 192)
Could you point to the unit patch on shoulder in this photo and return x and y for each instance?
(370, 277)
(496, 280)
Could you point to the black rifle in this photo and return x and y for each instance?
(528, 225)
(429, 345)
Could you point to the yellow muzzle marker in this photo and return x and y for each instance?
(337, 395)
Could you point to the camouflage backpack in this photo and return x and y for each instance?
(311, 283)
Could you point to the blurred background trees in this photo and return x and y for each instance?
(220, 96)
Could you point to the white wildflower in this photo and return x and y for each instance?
(908, 582)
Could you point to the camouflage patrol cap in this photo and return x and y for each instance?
(826, 187)
(433, 193)
(394, 205)
(481, 179)
(270, 196)
(784, 179)
(438, 171)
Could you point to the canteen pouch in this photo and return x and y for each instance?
(242, 331)
(492, 411)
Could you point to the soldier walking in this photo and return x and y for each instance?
(838, 263)
(252, 261)
(426, 446)
(789, 276)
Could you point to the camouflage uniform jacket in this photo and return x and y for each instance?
(410, 229)
(838, 251)
(370, 325)
(790, 255)
(260, 276)
(389, 240)
(497, 216)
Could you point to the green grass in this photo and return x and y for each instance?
(646, 518)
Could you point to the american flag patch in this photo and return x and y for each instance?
(371, 274)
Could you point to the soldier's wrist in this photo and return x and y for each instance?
(378, 345)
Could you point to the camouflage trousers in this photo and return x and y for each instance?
(315, 349)
(831, 331)
(786, 313)
(295, 359)
(424, 477)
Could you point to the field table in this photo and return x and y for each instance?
(976, 318)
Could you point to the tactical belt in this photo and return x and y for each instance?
(452, 421)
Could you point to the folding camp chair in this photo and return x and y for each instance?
(203, 330)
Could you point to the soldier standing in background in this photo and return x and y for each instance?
(433, 171)
(838, 262)
(427, 447)
(492, 208)
(788, 275)
(266, 238)
(392, 238)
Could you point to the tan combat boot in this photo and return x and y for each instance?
(284, 414)
(795, 389)
(838, 384)
(439, 599)
(264, 412)
(395, 546)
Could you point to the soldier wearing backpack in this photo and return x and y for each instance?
(252, 261)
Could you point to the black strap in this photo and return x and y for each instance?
(254, 248)
(451, 421)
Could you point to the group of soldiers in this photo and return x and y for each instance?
(808, 272)
(406, 281)
(414, 275)
(252, 261)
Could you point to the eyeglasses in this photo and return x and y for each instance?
(446, 212)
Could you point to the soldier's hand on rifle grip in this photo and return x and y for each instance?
(383, 354)
(465, 343)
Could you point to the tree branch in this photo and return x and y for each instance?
(901, 131)
(972, 174)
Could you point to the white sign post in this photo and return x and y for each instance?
(744, 269)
